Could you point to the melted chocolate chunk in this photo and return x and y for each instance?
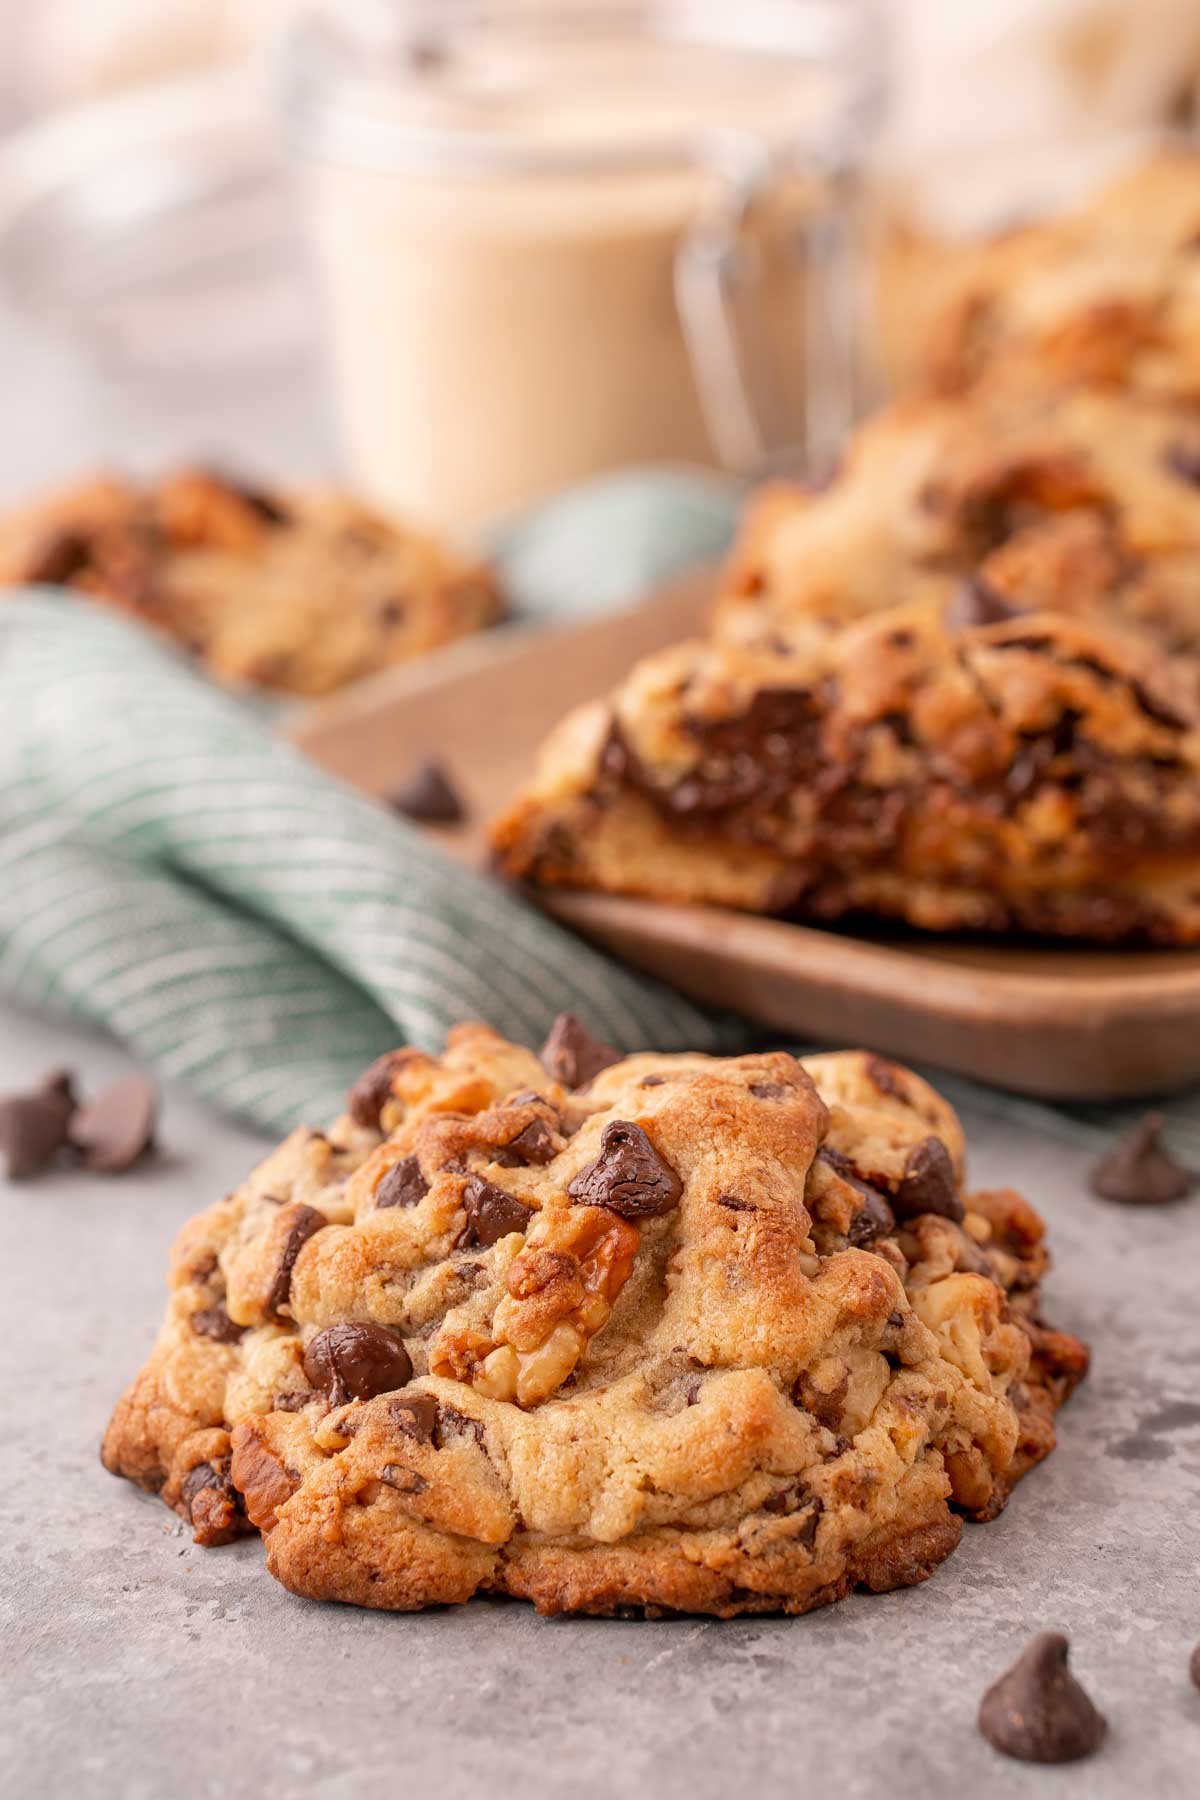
(370, 1093)
(492, 1213)
(1194, 1666)
(306, 1221)
(731, 1203)
(403, 1185)
(572, 1055)
(115, 1130)
(629, 1176)
(928, 1184)
(1037, 1711)
(429, 796)
(756, 759)
(977, 603)
(293, 1401)
(356, 1361)
(215, 1323)
(1139, 1170)
(35, 1127)
(416, 1415)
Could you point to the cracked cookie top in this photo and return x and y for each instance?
(701, 1332)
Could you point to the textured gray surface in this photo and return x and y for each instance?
(136, 1665)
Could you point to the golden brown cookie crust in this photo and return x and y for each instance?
(729, 1336)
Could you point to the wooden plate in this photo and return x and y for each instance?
(1057, 1022)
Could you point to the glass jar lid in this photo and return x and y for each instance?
(546, 86)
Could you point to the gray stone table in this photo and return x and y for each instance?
(136, 1665)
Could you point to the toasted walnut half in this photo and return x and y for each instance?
(562, 1287)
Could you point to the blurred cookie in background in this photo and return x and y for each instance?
(298, 593)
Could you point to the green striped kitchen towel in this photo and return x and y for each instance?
(175, 872)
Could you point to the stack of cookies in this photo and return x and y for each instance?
(959, 685)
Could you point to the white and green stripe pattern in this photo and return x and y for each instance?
(242, 921)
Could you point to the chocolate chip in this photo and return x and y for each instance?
(430, 796)
(875, 1217)
(628, 1176)
(405, 1481)
(769, 1090)
(731, 1203)
(572, 1055)
(1139, 1170)
(116, 1128)
(873, 1220)
(356, 1361)
(885, 1078)
(215, 1323)
(928, 1184)
(59, 556)
(403, 1185)
(652, 1081)
(1037, 1711)
(1183, 459)
(492, 1212)
(367, 1098)
(294, 1401)
(35, 1127)
(533, 1145)
(977, 603)
(306, 1221)
(416, 1415)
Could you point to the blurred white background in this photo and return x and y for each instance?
(142, 318)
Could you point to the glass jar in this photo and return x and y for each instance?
(560, 236)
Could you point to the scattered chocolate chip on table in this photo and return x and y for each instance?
(115, 1130)
(1037, 1711)
(1139, 1170)
(429, 796)
(34, 1127)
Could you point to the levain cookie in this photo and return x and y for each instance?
(1036, 774)
(298, 593)
(703, 1335)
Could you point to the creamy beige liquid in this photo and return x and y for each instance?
(499, 335)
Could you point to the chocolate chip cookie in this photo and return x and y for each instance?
(1034, 774)
(1107, 294)
(1002, 504)
(298, 593)
(705, 1335)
